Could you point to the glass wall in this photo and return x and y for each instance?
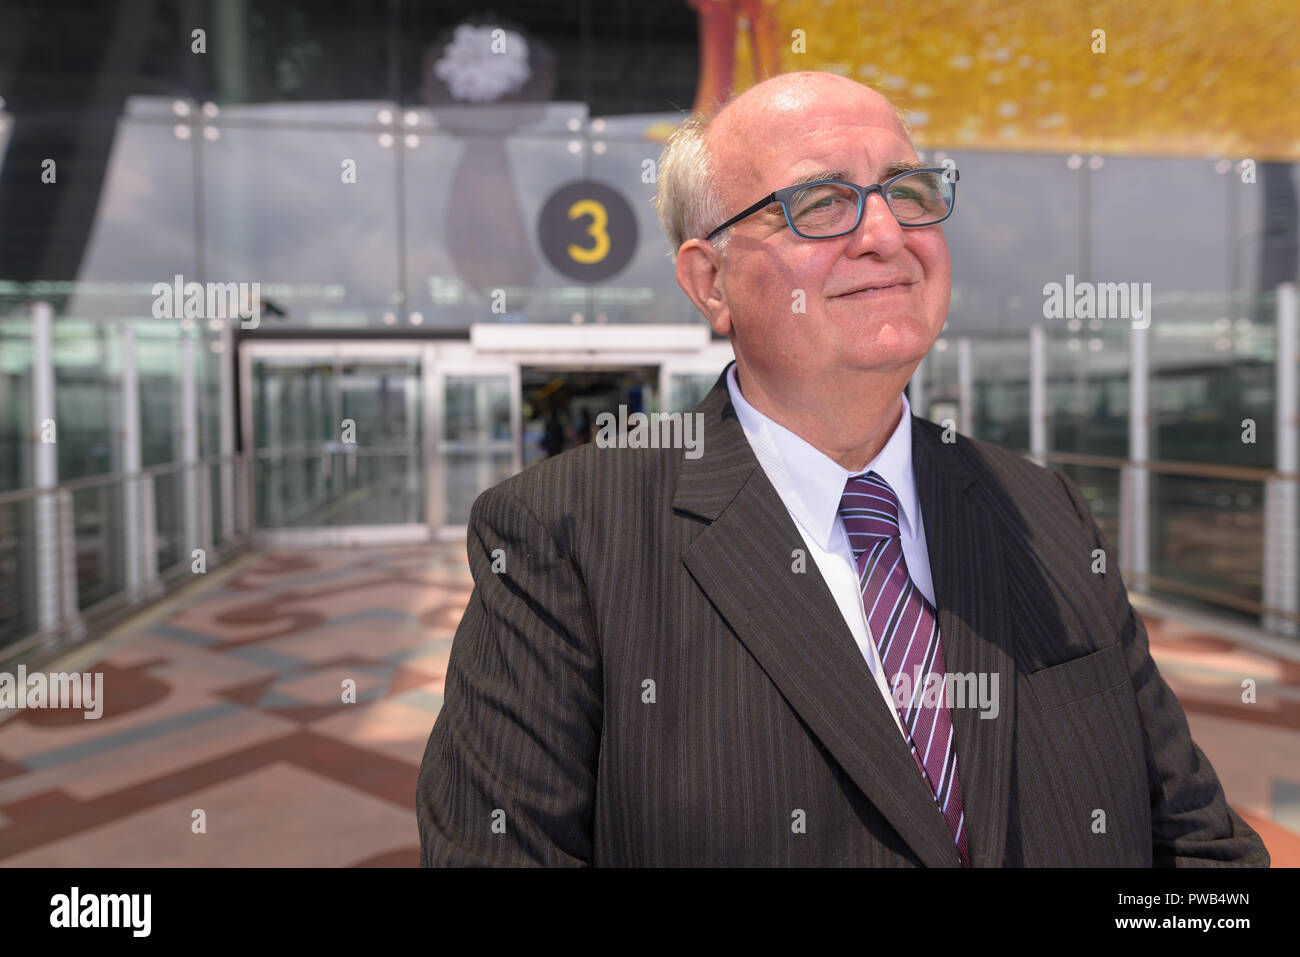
(1000, 391)
(477, 445)
(1088, 388)
(15, 403)
(362, 169)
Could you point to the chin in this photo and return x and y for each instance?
(907, 344)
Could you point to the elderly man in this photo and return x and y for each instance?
(842, 635)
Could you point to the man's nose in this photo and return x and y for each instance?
(879, 232)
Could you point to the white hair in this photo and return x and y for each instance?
(687, 198)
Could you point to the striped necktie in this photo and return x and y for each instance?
(906, 631)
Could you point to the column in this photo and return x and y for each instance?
(45, 469)
(1282, 495)
(191, 519)
(1135, 481)
(1037, 394)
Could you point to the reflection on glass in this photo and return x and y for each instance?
(1207, 536)
(15, 404)
(18, 591)
(1001, 391)
(267, 220)
(1212, 372)
(99, 543)
(337, 444)
(87, 397)
(477, 447)
(1088, 392)
(158, 367)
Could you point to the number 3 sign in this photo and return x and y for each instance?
(587, 231)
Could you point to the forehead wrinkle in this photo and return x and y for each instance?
(841, 174)
(847, 139)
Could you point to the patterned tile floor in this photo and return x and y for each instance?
(223, 708)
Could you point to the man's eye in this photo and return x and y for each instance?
(820, 202)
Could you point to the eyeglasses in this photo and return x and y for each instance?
(828, 208)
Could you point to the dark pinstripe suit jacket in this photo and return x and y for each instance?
(624, 566)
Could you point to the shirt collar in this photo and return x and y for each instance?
(810, 482)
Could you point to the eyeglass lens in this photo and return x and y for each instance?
(828, 209)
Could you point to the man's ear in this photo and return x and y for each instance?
(698, 267)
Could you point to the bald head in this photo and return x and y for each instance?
(712, 155)
(776, 117)
(794, 92)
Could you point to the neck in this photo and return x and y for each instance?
(847, 421)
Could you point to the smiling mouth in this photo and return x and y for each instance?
(875, 290)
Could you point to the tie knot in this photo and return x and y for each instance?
(869, 508)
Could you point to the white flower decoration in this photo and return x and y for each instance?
(482, 64)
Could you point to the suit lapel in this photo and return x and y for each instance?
(969, 571)
(744, 562)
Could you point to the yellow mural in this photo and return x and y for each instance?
(1170, 77)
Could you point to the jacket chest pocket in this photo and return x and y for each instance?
(1079, 678)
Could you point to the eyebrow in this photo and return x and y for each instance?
(893, 169)
(820, 175)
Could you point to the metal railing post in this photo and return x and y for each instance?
(149, 583)
(69, 611)
(205, 509)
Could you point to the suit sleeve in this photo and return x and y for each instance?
(1191, 822)
(509, 772)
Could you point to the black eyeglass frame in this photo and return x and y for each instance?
(783, 197)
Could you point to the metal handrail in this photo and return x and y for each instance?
(1215, 596)
(112, 478)
(1194, 469)
(317, 451)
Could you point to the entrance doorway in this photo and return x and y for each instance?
(560, 405)
(368, 442)
(337, 438)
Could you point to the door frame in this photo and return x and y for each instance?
(337, 351)
(439, 359)
(461, 360)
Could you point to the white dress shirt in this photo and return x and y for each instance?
(811, 485)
